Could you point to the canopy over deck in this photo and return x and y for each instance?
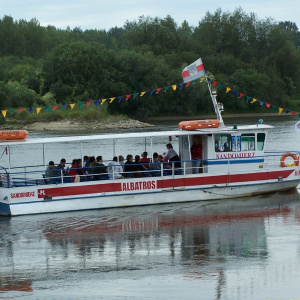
(150, 134)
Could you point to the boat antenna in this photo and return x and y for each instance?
(217, 107)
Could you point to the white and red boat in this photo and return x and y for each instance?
(234, 164)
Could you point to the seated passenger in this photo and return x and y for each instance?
(114, 169)
(60, 169)
(129, 167)
(155, 167)
(73, 170)
(51, 170)
(145, 160)
(121, 161)
(50, 173)
(172, 156)
(89, 166)
(80, 171)
(86, 159)
(99, 170)
(138, 165)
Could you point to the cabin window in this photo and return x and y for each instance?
(236, 143)
(261, 141)
(248, 142)
(223, 142)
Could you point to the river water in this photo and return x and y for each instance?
(246, 248)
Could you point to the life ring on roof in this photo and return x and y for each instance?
(13, 134)
(289, 154)
(198, 124)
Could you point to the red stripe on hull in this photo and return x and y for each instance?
(80, 190)
(165, 183)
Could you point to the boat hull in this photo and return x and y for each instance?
(68, 198)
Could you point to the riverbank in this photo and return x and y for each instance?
(69, 125)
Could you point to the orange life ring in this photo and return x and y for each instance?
(198, 124)
(289, 154)
(13, 134)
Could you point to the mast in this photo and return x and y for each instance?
(218, 108)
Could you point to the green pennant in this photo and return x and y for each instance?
(47, 109)
(80, 105)
(166, 88)
(195, 81)
(134, 95)
(12, 111)
(220, 86)
(274, 107)
(248, 98)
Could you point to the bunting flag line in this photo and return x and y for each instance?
(156, 91)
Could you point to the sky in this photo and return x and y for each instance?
(106, 14)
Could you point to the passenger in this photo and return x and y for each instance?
(156, 163)
(155, 167)
(196, 154)
(85, 160)
(99, 170)
(121, 161)
(80, 171)
(114, 170)
(60, 169)
(89, 166)
(129, 167)
(51, 170)
(50, 173)
(172, 156)
(145, 160)
(73, 170)
(139, 167)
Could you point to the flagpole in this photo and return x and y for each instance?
(213, 96)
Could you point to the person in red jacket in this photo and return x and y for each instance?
(196, 153)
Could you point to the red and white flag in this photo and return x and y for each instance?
(193, 71)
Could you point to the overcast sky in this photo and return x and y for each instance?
(105, 14)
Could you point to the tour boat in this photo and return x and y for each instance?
(233, 164)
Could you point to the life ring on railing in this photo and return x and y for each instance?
(289, 154)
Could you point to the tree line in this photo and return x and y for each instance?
(45, 66)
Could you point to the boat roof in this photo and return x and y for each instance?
(66, 139)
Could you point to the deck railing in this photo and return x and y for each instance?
(35, 175)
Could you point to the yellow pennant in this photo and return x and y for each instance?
(228, 89)
(103, 100)
(112, 99)
(4, 113)
(253, 100)
(142, 93)
(174, 87)
(38, 109)
(280, 110)
(72, 105)
(202, 78)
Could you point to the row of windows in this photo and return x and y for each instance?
(245, 142)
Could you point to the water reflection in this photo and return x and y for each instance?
(208, 242)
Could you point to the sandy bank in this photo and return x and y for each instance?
(69, 125)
